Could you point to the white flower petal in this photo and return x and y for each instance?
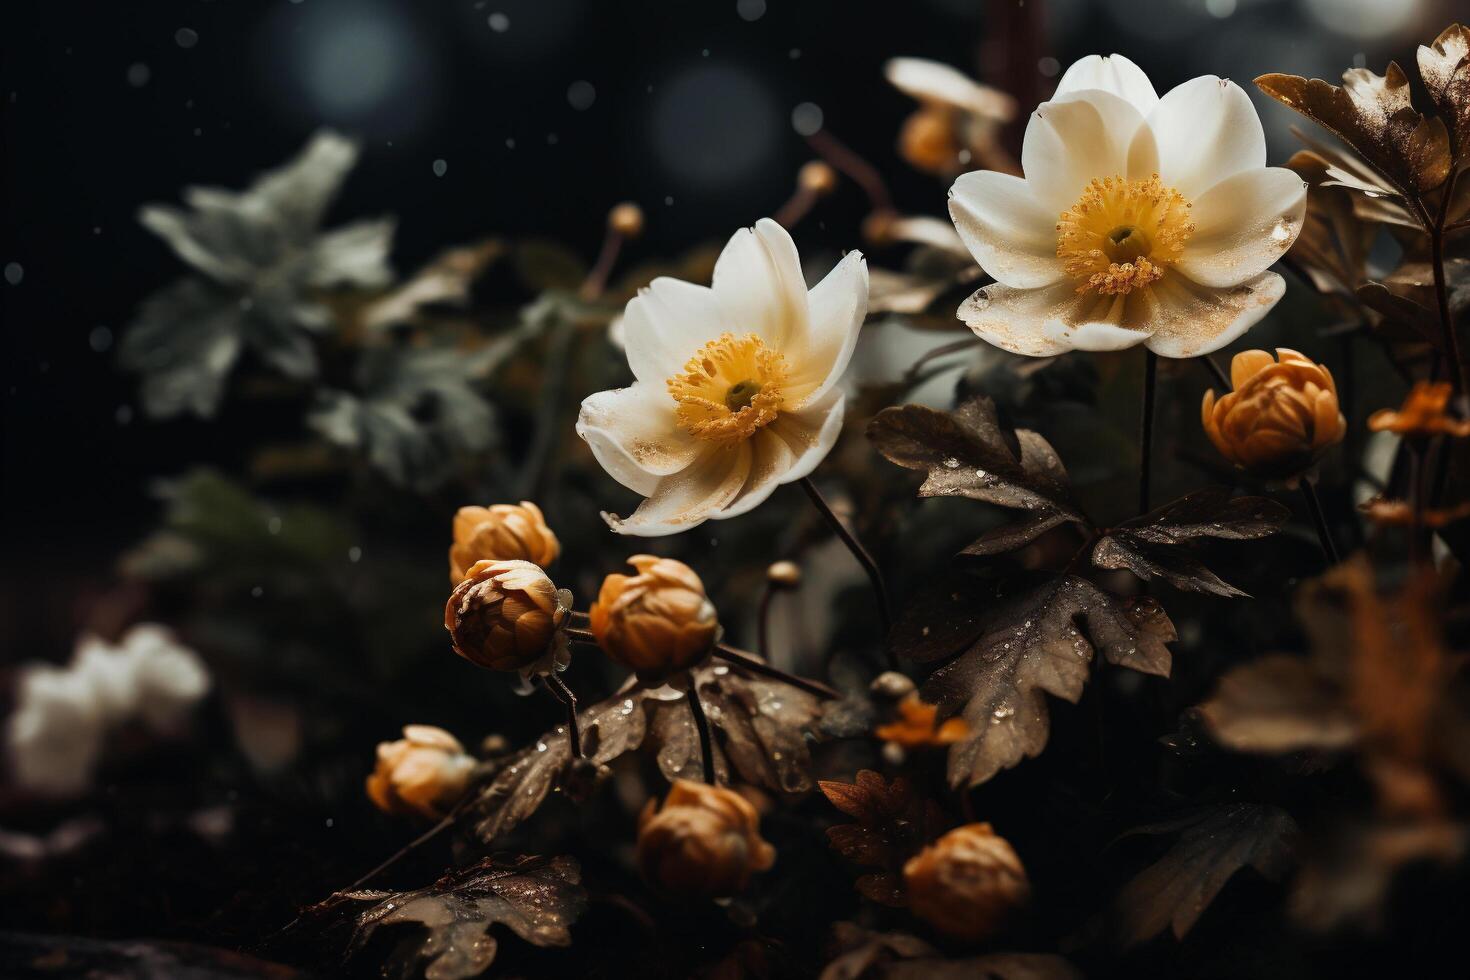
(934, 82)
(1111, 73)
(759, 285)
(1047, 321)
(787, 450)
(837, 306)
(1242, 225)
(690, 497)
(1193, 319)
(1082, 136)
(1206, 130)
(665, 324)
(1011, 235)
(635, 436)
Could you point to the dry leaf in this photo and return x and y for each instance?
(1445, 69)
(892, 824)
(1374, 115)
(1213, 846)
(1279, 703)
(537, 898)
(1012, 648)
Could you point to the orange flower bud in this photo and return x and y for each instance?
(817, 177)
(504, 615)
(503, 532)
(425, 772)
(1281, 417)
(657, 622)
(626, 219)
(967, 883)
(1422, 414)
(929, 140)
(704, 841)
(784, 574)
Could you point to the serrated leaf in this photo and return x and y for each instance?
(536, 898)
(1374, 115)
(1213, 845)
(1445, 69)
(966, 453)
(1012, 650)
(1151, 562)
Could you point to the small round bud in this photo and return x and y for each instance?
(929, 140)
(495, 746)
(892, 685)
(503, 532)
(1281, 417)
(784, 574)
(967, 883)
(504, 615)
(704, 841)
(878, 227)
(425, 772)
(657, 622)
(817, 177)
(626, 219)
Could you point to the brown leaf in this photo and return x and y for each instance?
(1279, 703)
(1445, 69)
(893, 823)
(966, 453)
(1013, 648)
(855, 951)
(1347, 881)
(1214, 845)
(1154, 545)
(884, 887)
(1374, 115)
(536, 898)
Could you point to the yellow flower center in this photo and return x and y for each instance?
(1122, 234)
(729, 389)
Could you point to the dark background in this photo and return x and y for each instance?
(107, 106)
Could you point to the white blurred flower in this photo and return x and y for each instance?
(735, 387)
(1140, 219)
(63, 715)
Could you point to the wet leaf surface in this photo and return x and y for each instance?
(892, 822)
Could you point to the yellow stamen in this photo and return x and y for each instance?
(731, 387)
(1122, 234)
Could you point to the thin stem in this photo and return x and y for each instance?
(763, 622)
(747, 662)
(875, 574)
(596, 281)
(414, 844)
(1146, 428)
(1441, 292)
(548, 426)
(701, 724)
(796, 207)
(863, 173)
(1221, 378)
(564, 694)
(1324, 532)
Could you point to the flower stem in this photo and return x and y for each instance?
(1436, 229)
(861, 172)
(1221, 378)
(763, 622)
(701, 724)
(745, 661)
(596, 281)
(1146, 428)
(564, 694)
(875, 574)
(796, 207)
(1324, 532)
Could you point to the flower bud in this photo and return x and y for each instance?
(817, 177)
(784, 574)
(503, 532)
(504, 615)
(704, 841)
(425, 772)
(1281, 417)
(657, 622)
(626, 219)
(966, 883)
(929, 141)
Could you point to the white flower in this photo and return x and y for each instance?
(735, 387)
(63, 715)
(1140, 219)
(935, 83)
